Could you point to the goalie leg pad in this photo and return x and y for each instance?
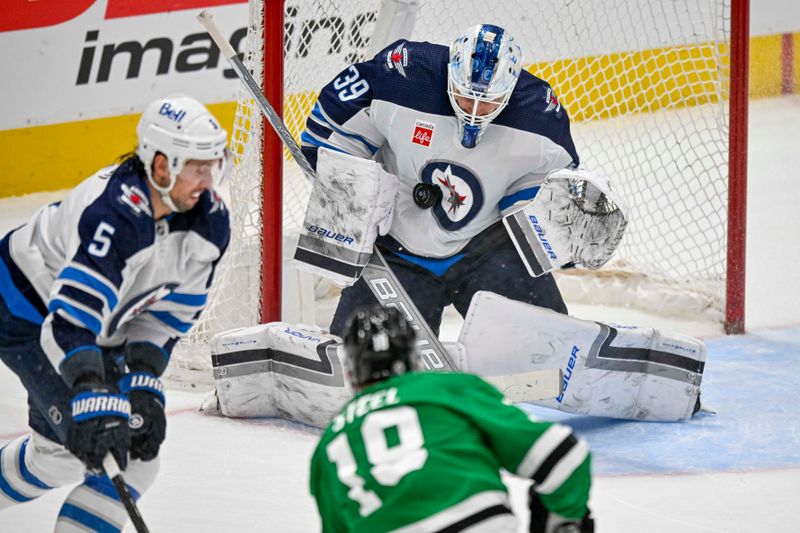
(283, 370)
(609, 370)
(278, 369)
(351, 203)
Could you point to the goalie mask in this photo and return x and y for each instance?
(379, 344)
(182, 129)
(484, 67)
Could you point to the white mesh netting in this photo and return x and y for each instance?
(645, 84)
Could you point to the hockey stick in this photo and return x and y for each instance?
(115, 475)
(377, 274)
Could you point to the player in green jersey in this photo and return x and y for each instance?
(422, 451)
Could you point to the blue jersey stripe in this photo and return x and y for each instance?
(88, 320)
(17, 304)
(104, 486)
(5, 486)
(323, 132)
(524, 194)
(27, 475)
(172, 321)
(436, 266)
(21, 298)
(317, 112)
(70, 292)
(186, 298)
(91, 521)
(311, 140)
(93, 283)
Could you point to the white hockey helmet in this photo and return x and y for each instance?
(182, 129)
(484, 66)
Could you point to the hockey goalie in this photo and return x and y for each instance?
(459, 166)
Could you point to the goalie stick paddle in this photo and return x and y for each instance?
(115, 475)
(377, 274)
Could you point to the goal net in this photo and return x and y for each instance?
(645, 83)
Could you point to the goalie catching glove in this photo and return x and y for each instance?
(574, 218)
(352, 202)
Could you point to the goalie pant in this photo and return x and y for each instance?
(33, 464)
(454, 432)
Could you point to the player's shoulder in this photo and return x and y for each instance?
(444, 387)
(403, 57)
(125, 193)
(533, 107)
(121, 200)
(412, 74)
(209, 219)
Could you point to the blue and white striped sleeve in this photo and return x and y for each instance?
(340, 118)
(85, 292)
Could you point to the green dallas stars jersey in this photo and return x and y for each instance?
(424, 450)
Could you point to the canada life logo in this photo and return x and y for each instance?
(423, 133)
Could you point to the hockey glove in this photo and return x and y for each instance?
(543, 521)
(99, 424)
(147, 423)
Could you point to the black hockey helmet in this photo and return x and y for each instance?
(379, 343)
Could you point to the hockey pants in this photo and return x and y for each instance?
(491, 265)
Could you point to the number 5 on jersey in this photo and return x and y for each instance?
(388, 464)
(101, 242)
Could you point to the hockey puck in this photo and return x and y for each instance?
(426, 195)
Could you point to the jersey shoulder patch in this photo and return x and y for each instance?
(413, 74)
(532, 102)
(123, 209)
(535, 108)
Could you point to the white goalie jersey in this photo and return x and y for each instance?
(395, 108)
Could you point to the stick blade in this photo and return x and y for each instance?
(529, 386)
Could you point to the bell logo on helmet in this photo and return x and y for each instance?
(172, 114)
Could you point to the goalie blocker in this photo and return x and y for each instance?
(296, 372)
(351, 203)
(574, 218)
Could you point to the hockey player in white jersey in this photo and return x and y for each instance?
(95, 291)
(470, 136)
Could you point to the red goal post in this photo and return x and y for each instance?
(657, 95)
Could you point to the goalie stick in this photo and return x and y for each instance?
(113, 472)
(377, 274)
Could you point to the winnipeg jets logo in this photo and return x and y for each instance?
(455, 200)
(552, 102)
(136, 199)
(462, 197)
(398, 59)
